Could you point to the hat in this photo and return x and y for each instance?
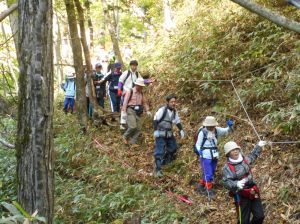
(139, 82)
(210, 122)
(98, 65)
(118, 65)
(134, 62)
(229, 146)
(171, 96)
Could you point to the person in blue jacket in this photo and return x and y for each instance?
(207, 147)
(70, 92)
(113, 79)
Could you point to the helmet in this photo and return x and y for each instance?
(229, 146)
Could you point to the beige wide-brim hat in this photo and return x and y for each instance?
(210, 122)
(139, 82)
(229, 146)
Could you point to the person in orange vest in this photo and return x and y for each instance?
(238, 179)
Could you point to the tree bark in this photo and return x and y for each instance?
(34, 145)
(87, 4)
(110, 23)
(78, 63)
(87, 55)
(8, 11)
(269, 15)
(58, 43)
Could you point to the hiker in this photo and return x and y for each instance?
(127, 82)
(133, 108)
(100, 88)
(207, 148)
(165, 142)
(70, 92)
(113, 79)
(238, 179)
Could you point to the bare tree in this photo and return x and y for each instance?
(269, 15)
(34, 145)
(87, 4)
(78, 63)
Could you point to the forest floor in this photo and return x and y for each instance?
(100, 180)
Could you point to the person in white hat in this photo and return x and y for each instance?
(207, 148)
(70, 92)
(238, 179)
(132, 109)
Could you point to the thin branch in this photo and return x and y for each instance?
(8, 39)
(8, 11)
(6, 144)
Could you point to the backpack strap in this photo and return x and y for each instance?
(127, 76)
(163, 115)
(232, 167)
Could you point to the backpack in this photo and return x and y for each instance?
(127, 76)
(204, 138)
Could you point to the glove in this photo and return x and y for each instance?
(149, 114)
(230, 123)
(123, 115)
(182, 134)
(120, 92)
(241, 183)
(262, 143)
(156, 134)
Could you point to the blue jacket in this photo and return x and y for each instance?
(113, 79)
(70, 88)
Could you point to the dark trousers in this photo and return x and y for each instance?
(100, 101)
(115, 101)
(164, 152)
(69, 103)
(253, 207)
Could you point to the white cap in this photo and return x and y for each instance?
(229, 146)
(210, 122)
(139, 82)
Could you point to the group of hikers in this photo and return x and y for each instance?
(125, 90)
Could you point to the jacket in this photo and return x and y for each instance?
(242, 169)
(70, 88)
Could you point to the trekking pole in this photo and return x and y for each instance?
(237, 201)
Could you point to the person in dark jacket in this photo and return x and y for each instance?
(100, 88)
(113, 79)
(238, 179)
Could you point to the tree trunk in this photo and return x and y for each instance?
(34, 145)
(13, 20)
(58, 43)
(78, 63)
(87, 4)
(269, 15)
(110, 23)
(86, 52)
(8, 11)
(168, 19)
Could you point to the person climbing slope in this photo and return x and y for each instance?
(238, 179)
(133, 108)
(100, 88)
(70, 92)
(207, 148)
(127, 82)
(113, 79)
(165, 142)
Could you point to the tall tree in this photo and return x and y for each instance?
(87, 5)
(269, 15)
(78, 63)
(168, 18)
(111, 28)
(34, 145)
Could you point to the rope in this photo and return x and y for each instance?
(244, 108)
(239, 98)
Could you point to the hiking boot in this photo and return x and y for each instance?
(200, 189)
(125, 141)
(159, 173)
